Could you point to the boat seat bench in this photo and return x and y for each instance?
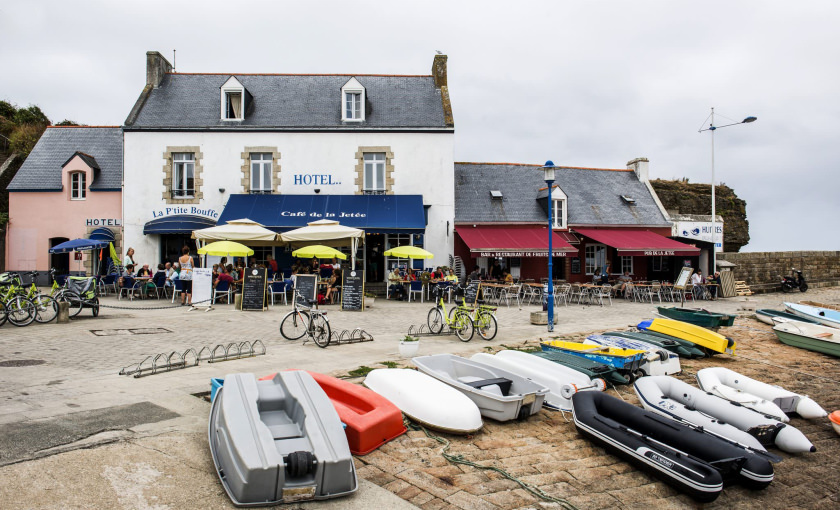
(501, 382)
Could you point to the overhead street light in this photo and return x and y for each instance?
(713, 128)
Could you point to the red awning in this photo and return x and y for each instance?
(524, 241)
(639, 242)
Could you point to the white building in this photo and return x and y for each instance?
(371, 151)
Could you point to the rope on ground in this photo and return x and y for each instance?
(616, 390)
(459, 459)
(788, 368)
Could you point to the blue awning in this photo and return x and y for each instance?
(372, 213)
(78, 245)
(177, 224)
(102, 234)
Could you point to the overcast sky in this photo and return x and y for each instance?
(584, 83)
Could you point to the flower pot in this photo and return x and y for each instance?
(408, 349)
(369, 302)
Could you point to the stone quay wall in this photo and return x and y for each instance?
(761, 270)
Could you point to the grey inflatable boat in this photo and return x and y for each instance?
(278, 441)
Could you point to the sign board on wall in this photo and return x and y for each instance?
(103, 222)
(699, 230)
(185, 209)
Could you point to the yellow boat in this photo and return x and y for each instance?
(617, 357)
(694, 334)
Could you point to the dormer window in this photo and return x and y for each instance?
(233, 100)
(77, 186)
(353, 101)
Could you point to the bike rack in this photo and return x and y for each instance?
(345, 336)
(174, 360)
(424, 330)
(222, 352)
(162, 362)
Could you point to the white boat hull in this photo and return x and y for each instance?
(562, 382)
(426, 400)
(825, 316)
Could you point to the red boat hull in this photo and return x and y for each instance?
(371, 419)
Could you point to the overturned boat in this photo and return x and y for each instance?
(680, 401)
(767, 399)
(498, 393)
(683, 348)
(697, 316)
(657, 361)
(278, 441)
(690, 459)
(712, 342)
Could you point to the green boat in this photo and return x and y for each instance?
(586, 366)
(680, 347)
(813, 337)
(696, 316)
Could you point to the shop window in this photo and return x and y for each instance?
(261, 169)
(261, 253)
(659, 264)
(353, 101)
(78, 191)
(596, 257)
(183, 175)
(558, 213)
(626, 264)
(374, 173)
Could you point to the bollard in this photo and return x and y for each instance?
(237, 301)
(63, 312)
(541, 318)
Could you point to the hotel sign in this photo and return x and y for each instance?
(543, 253)
(103, 222)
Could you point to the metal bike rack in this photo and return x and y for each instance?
(162, 362)
(424, 330)
(222, 352)
(345, 336)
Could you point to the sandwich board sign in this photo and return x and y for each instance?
(202, 288)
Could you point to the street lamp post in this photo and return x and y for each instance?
(712, 128)
(549, 181)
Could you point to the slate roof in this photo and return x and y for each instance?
(594, 195)
(192, 101)
(42, 169)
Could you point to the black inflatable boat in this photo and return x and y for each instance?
(688, 458)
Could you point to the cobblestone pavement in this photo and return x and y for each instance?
(80, 373)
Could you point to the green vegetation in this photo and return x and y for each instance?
(20, 128)
(360, 372)
(409, 338)
(389, 364)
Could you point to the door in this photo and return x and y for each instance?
(59, 261)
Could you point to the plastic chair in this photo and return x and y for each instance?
(159, 279)
(415, 287)
(130, 287)
(562, 292)
(110, 280)
(177, 288)
(223, 288)
(604, 291)
(278, 288)
(510, 293)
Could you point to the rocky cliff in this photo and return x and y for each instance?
(689, 198)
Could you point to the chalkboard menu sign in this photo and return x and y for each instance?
(471, 292)
(307, 285)
(576, 265)
(352, 290)
(253, 289)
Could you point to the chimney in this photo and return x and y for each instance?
(640, 167)
(156, 68)
(439, 70)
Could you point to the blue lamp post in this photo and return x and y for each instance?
(549, 181)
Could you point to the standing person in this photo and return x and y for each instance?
(129, 258)
(271, 263)
(605, 274)
(185, 276)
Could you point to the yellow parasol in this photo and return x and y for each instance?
(226, 248)
(409, 252)
(318, 251)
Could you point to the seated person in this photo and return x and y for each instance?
(127, 271)
(144, 271)
(713, 289)
(596, 276)
(507, 277)
(473, 275)
(223, 276)
(451, 277)
(623, 280)
(396, 286)
(170, 272)
(334, 286)
(437, 275)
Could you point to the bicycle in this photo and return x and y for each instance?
(18, 310)
(306, 321)
(460, 321)
(483, 316)
(46, 307)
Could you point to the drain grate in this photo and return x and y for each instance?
(21, 362)
(131, 331)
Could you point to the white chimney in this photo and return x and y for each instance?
(640, 167)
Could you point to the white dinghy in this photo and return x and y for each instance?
(658, 361)
(562, 382)
(426, 400)
(767, 399)
(682, 402)
(498, 393)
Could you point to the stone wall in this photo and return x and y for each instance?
(761, 270)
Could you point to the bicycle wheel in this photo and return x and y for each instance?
(22, 311)
(4, 313)
(294, 324)
(46, 307)
(486, 325)
(464, 329)
(321, 330)
(435, 320)
(94, 305)
(73, 300)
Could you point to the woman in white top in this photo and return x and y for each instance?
(185, 276)
(129, 258)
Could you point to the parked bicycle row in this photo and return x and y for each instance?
(22, 305)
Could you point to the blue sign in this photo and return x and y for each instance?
(314, 180)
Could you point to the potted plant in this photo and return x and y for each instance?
(370, 297)
(409, 346)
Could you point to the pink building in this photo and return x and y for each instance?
(69, 187)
